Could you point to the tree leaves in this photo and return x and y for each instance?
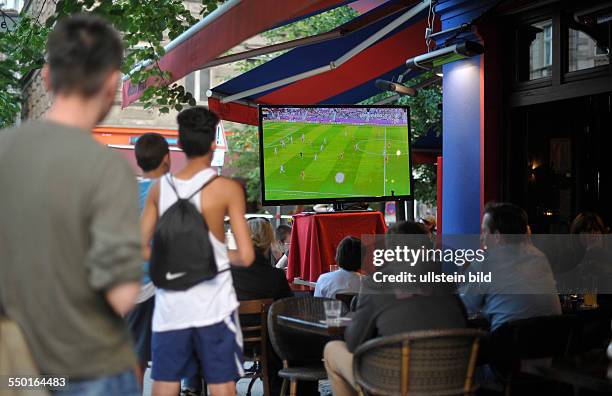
(425, 115)
(316, 24)
(144, 25)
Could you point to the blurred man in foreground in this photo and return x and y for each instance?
(70, 261)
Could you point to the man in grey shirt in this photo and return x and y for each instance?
(522, 284)
(70, 260)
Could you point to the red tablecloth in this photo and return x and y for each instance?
(315, 237)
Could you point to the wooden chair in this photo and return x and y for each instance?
(292, 347)
(431, 362)
(255, 336)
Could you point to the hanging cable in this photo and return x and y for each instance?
(431, 19)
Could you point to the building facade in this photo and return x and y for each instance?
(37, 100)
(529, 120)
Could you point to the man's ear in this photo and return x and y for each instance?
(213, 146)
(46, 77)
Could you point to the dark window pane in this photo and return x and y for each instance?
(584, 52)
(535, 50)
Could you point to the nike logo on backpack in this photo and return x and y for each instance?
(171, 276)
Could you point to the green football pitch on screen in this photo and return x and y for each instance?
(314, 160)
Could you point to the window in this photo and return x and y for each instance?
(198, 83)
(548, 45)
(15, 5)
(535, 50)
(584, 53)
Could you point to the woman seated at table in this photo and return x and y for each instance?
(261, 279)
(346, 279)
(392, 309)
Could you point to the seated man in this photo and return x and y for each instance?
(386, 311)
(280, 251)
(346, 279)
(522, 284)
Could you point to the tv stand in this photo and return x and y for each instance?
(349, 207)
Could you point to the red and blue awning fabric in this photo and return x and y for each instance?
(229, 25)
(342, 70)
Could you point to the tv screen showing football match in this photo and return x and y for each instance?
(334, 153)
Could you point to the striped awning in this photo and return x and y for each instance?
(342, 70)
(229, 25)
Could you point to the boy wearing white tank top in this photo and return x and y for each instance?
(198, 328)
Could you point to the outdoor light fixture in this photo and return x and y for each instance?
(462, 50)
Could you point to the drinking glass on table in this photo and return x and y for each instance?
(590, 295)
(333, 309)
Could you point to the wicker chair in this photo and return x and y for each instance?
(431, 362)
(294, 347)
(255, 341)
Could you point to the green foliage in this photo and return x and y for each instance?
(244, 151)
(316, 24)
(21, 52)
(143, 24)
(425, 115)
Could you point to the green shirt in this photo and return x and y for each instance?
(68, 232)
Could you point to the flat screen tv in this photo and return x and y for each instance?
(334, 153)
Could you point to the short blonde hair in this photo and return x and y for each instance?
(262, 233)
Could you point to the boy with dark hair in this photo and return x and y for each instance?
(70, 217)
(345, 279)
(151, 150)
(199, 326)
(153, 157)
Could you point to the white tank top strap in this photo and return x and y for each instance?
(184, 188)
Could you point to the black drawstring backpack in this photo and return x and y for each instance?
(182, 254)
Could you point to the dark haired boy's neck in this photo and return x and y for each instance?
(195, 165)
(154, 174)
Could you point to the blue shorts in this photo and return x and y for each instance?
(215, 349)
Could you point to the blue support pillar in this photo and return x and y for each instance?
(463, 115)
(461, 151)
